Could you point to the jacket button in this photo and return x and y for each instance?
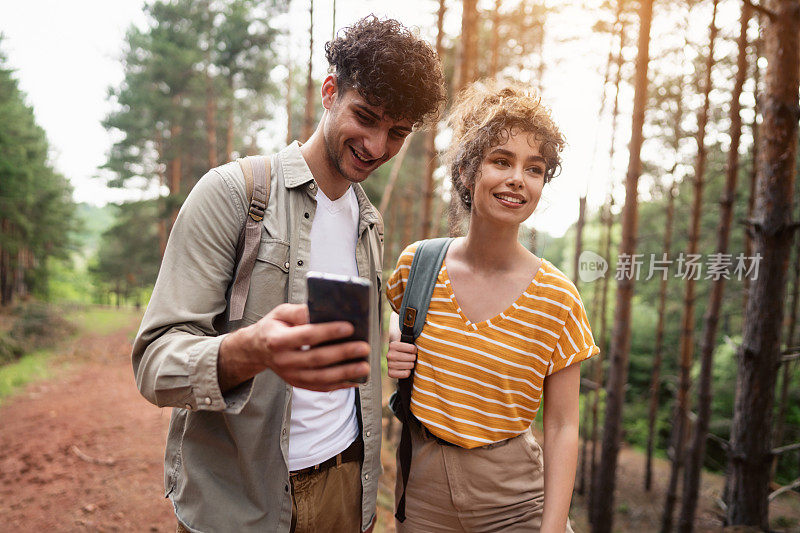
(208, 401)
(312, 185)
(366, 476)
(368, 433)
(306, 215)
(188, 406)
(300, 263)
(286, 488)
(286, 264)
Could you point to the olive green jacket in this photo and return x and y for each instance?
(225, 464)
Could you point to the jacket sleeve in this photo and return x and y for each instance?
(175, 351)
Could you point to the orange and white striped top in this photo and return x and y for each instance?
(478, 383)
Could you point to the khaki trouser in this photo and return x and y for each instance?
(327, 501)
(493, 488)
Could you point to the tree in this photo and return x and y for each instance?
(772, 232)
(688, 320)
(32, 197)
(430, 143)
(308, 120)
(604, 482)
(696, 454)
(193, 61)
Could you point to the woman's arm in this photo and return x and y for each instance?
(560, 445)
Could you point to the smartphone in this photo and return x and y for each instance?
(333, 297)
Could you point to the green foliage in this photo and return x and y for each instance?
(39, 324)
(10, 350)
(32, 197)
(30, 367)
(128, 257)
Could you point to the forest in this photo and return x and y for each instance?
(684, 247)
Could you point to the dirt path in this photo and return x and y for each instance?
(83, 451)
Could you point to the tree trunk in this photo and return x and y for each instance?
(609, 221)
(579, 239)
(750, 445)
(289, 136)
(597, 369)
(751, 199)
(432, 159)
(493, 68)
(386, 197)
(308, 120)
(211, 122)
(655, 378)
(466, 73)
(229, 132)
(694, 464)
(688, 321)
(604, 482)
(789, 366)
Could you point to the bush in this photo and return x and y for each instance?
(10, 350)
(38, 325)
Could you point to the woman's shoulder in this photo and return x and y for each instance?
(553, 279)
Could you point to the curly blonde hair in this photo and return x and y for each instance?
(483, 116)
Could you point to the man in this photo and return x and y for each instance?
(266, 434)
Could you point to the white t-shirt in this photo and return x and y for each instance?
(325, 423)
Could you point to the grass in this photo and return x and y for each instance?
(30, 367)
(103, 320)
(38, 365)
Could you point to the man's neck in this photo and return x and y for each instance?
(328, 178)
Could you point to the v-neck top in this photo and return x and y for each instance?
(478, 383)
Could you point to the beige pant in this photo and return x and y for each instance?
(328, 501)
(493, 488)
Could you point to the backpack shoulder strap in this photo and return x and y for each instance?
(425, 267)
(256, 170)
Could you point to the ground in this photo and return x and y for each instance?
(82, 451)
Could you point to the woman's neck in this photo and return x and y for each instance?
(491, 247)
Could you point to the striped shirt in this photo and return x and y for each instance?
(478, 383)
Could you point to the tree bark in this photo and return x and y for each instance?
(493, 67)
(229, 132)
(466, 73)
(751, 199)
(788, 366)
(308, 121)
(609, 221)
(655, 378)
(211, 122)
(750, 445)
(289, 137)
(688, 321)
(604, 482)
(386, 197)
(432, 160)
(694, 464)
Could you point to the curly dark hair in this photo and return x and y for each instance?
(483, 116)
(390, 67)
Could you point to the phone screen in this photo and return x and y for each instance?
(333, 297)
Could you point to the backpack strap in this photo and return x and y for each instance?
(256, 170)
(425, 266)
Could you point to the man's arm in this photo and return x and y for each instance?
(560, 419)
(177, 356)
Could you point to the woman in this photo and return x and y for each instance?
(504, 328)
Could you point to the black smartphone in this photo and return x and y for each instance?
(332, 297)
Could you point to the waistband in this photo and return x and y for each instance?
(354, 452)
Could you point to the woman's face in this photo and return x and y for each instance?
(510, 180)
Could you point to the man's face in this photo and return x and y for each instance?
(359, 137)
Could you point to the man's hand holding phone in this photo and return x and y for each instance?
(285, 342)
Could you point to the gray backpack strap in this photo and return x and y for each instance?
(257, 180)
(425, 266)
